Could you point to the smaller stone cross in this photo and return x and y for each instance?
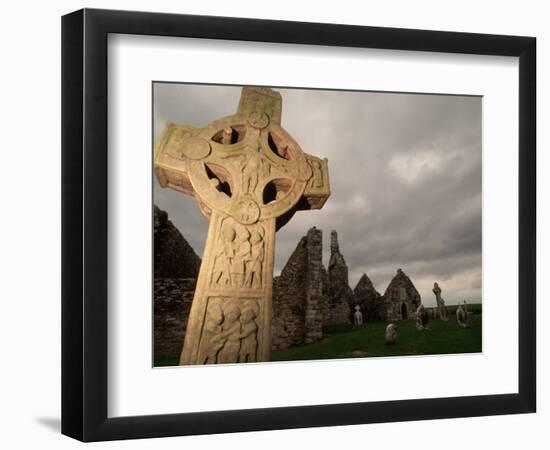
(441, 310)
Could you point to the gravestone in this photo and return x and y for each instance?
(391, 334)
(421, 318)
(249, 177)
(358, 316)
(461, 317)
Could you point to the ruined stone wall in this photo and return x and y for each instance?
(173, 298)
(325, 303)
(176, 267)
(337, 309)
(289, 300)
(173, 256)
(298, 295)
(314, 287)
(401, 298)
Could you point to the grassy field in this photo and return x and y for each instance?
(348, 341)
(474, 308)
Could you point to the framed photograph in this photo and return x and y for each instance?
(273, 224)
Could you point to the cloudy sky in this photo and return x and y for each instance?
(405, 175)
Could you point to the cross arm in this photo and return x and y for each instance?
(317, 189)
(170, 161)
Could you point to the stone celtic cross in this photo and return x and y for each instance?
(249, 177)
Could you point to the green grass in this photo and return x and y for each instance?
(163, 361)
(341, 341)
(474, 308)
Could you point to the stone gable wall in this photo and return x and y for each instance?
(337, 309)
(369, 300)
(173, 256)
(401, 297)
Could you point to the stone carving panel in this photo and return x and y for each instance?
(239, 257)
(230, 331)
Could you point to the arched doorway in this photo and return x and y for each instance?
(404, 312)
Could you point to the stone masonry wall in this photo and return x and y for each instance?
(298, 295)
(314, 287)
(176, 267)
(337, 309)
(369, 300)
(173, 256)
(289, 291)
(173, 298)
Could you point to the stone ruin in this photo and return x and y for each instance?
(296, 298)
(401, 298)
(399, 302)
(299, 293)
(306, 296)
(369, 300)
(338, 306)
(176, 267)
(174, 257)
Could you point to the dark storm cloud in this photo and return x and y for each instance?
(405, 174)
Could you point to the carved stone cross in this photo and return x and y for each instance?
(249, 177)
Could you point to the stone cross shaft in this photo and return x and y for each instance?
(249, 177)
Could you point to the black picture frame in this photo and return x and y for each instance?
(84, 224)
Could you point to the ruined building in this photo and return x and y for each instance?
(176, 267)
(369, 300)
(306, 296)
(399, 302)
(401, 298)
